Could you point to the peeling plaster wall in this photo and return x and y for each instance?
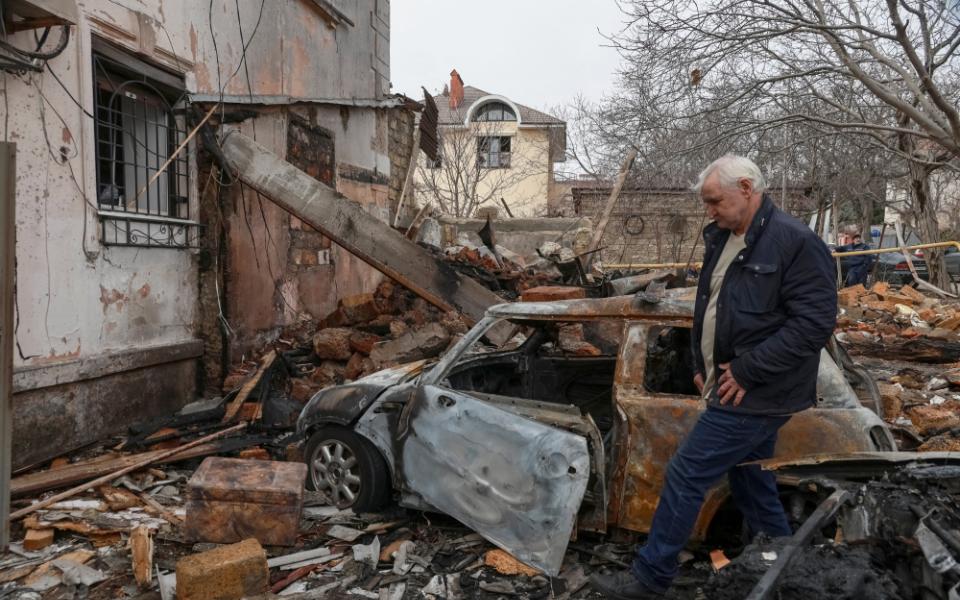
(80, 301)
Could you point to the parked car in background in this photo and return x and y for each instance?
(569, 426)
(952, 259)
(892, 267)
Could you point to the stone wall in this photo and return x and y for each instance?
(653, 225)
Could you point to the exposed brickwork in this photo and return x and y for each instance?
(399, 143)
(651, 225)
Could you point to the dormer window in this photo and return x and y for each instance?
(495, 111)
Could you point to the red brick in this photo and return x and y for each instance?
(333, 343)
(354, 366)
(362, 341)
(880, 288)
(913, 294)
(359, 308)
(224, 573)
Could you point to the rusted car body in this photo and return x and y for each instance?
(528, 443)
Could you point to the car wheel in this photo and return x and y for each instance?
(348, 468)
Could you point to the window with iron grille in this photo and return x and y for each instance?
(142, 187)
(493, 152)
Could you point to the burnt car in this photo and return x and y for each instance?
(566, 426)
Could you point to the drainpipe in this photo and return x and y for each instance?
(8, 248)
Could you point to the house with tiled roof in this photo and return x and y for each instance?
(493, 152)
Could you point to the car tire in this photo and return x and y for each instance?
(348, 468)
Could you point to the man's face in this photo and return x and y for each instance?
(728, 206)
(856, 239)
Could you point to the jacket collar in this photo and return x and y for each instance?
(760, 221)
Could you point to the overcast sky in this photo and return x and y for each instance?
(539, 53)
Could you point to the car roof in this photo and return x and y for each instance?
(676, 304)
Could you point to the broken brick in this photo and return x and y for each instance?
(453, 323)
(332, 370)
(847, 297)
(930, 419)
(333, 343)
(363, 341)
(891, 403)
(898, 298)
(950, 323)
(118, 498)
(354, 366)
(359, 308)
(385, 289)
(257, 453)
(880, 288)
(940, 443)
(913, 294)
(883, 306)
(225, 573)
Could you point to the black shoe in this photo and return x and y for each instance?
(622, 585)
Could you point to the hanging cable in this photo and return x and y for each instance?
(57, 51)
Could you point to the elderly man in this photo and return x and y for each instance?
(766, 305)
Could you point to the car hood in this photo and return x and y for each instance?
(342, 404)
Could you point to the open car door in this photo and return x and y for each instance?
(517, 482)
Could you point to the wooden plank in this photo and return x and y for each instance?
(356, 230)
(234, 407)
(608, 208)
(64, 476)
(141, 555)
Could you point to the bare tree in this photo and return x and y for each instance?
(732, 70)
(481, 163)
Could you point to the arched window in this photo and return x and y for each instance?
(495, 111)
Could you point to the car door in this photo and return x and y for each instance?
(516, 481)
(657, 417)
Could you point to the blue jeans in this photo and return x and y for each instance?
(715, 446)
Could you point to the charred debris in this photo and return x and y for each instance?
(210, 503)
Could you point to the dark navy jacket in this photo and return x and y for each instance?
(776, 310)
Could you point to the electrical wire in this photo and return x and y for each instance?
(67, 91)
(57, 50)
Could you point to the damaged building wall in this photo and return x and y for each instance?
(109, 333)
(314, 90)
(93, 320)
(278, 269)
(651, 224)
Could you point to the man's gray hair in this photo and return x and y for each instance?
(731, 169)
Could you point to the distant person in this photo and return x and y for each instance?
(858, 267)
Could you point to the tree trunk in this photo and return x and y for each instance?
(924, 209)
(927, 224)
(866, 218)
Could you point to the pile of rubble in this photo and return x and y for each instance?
(910, 342)
(884, 313)
(366, 333)
(237, 528)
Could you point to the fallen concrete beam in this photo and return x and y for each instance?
(360, 233)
